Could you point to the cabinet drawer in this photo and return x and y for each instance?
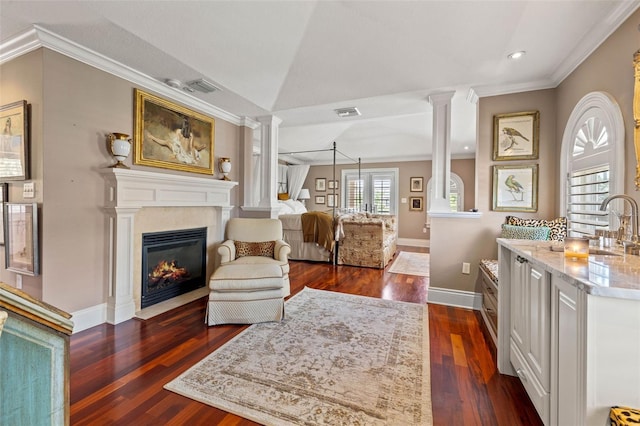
(536, 392)
(491, 315)
(489, 291)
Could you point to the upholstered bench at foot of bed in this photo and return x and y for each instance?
(246, 294)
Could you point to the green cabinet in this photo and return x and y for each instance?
(34, 361)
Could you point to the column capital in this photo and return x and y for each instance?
(267, 120)
(441, 98)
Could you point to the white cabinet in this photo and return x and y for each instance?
(570, 331)
(566, 363)
(530, 330)
(595, 352)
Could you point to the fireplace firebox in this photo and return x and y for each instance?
(173, 263)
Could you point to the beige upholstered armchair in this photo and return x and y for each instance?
(252, 280)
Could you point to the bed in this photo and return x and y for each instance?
(291, 217)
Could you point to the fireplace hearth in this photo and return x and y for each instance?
(173, 263)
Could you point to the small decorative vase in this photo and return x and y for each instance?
(120, 146)
(225, 167)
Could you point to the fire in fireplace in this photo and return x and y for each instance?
(173, 263)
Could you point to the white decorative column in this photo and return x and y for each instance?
(120, 303)
(249, 190)
(441, 152)
(131, 190)
(269, 163)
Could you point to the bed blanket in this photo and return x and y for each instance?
(317, 227)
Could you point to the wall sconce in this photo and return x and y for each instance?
(304, 195)
(225, 167)
(120, 147)
(576, 248)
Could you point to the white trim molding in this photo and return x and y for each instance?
(414, 242)
(38, 37)
(89, 317)
(456, 298)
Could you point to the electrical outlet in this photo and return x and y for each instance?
(466, 268)
(424, 230)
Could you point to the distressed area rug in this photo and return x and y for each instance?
(410, 263)
(335, 359)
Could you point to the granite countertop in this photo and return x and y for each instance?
(600, 275)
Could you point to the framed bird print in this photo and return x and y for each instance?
(515, 136)
(515, 188)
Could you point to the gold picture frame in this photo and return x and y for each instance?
(515, 188)
(170, 136)
(415, 204)
(14, 141)
(416, 184)
(516, 136)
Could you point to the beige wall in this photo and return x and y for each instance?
(458, 240)
(410, 223)
(21, 79)
(75, 107)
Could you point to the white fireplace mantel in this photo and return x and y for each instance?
(130, 190)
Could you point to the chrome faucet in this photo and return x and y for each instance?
(634, 212)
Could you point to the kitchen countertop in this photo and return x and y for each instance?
(600, 275)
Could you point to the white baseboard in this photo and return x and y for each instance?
(89, 317)
(457, 298)
(413, 242)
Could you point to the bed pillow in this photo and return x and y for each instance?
(263, 248)
(285, 208)
(296, 206)
(558, 225)
(525, 232)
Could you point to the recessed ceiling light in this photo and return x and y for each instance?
(347, 112)
(517, 55)
(466, 147)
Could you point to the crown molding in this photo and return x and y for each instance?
(38, 37)
(592, 40)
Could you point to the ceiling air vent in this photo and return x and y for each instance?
(347, 112)
(203, 85)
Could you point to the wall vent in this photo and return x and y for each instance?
(347, 112)
(202, 85)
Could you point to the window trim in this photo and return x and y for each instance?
(388, 170)
(605, 107)
(460, 191)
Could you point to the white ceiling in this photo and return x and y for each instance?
(299, 60)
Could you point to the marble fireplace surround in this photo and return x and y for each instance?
(130, 196)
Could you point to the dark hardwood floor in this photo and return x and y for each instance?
(117, 372)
